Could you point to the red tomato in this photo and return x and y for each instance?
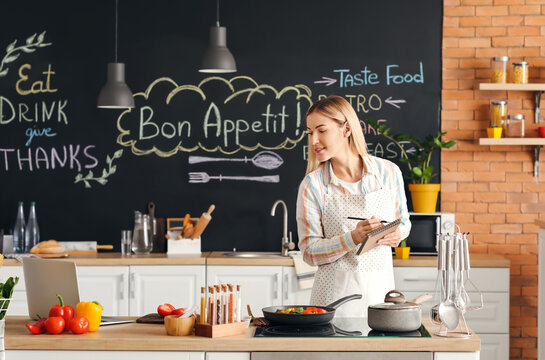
(79, 325)
(179, 311)
(54, 325)
(165, 309)
(307, 311)
(321, 311)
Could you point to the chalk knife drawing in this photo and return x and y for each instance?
(263, 159)
(202, 177)
(12, 52)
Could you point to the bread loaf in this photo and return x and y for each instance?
(47, 247)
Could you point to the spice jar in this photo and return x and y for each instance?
(498, 113)
(499, 69)
(520, 72)
(514, 125)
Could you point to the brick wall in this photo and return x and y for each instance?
(492, 189)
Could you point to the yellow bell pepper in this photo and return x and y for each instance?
(92, 311)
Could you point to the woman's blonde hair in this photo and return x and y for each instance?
(339, 110)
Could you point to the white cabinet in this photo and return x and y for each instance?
(291, 294)
(491, 322)
(151, 286)
(109, 285)
(261, 285)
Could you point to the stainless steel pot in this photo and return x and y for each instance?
(396, 314)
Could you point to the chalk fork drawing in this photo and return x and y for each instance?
(263, 159)
(102, 180)
(202, 177)
(12, 52)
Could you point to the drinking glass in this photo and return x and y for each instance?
(126, 242)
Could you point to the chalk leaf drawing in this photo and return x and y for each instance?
(12, 52)
(102, 180)
(202, 177)
(264, 159)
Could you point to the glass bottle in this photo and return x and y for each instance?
(19, 230)
(520, 72)
(32, 232)
(499, 69)
(142, 242)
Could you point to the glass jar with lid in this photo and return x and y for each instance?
(499, 69)
(498, 113)
(520, 72)
(514, 125)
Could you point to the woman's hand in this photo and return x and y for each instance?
(392, 239)
(359, 234)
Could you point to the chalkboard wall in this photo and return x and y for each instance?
(88, 169)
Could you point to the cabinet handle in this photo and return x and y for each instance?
(419, 279)
(286, 286)
(122, 286)
(275, 285)
(132, 285)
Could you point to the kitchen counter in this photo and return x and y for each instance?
(218, 258)
(153, 337)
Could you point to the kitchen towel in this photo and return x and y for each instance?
(305, 272)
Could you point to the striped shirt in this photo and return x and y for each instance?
(318, 250)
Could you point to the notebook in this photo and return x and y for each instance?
(46, 278)
(376, 235)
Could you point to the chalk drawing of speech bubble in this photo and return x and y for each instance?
(224, 123)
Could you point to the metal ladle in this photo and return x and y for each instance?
(447, 309)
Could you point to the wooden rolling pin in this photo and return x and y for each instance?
(203, 222)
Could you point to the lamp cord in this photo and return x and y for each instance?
(217, 12)
(116, 5)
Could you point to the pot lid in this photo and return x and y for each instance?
(394, 306)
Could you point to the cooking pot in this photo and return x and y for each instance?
(396, 314)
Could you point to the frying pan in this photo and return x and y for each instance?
(305, 319)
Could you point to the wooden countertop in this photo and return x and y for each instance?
(153, 337)
(218, 258)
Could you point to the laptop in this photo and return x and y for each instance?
(44, 279)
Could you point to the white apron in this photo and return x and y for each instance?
(371, 273)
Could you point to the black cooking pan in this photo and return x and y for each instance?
(305, 319)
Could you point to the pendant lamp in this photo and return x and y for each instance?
(115, 94)
(218, 58)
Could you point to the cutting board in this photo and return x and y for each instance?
(152, 318)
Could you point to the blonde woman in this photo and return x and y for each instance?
(343, 180)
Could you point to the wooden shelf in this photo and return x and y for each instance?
(512, 141)
(511, 86)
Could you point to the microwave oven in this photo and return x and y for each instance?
(425, 228)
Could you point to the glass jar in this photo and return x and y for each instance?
(520, 72)
(498, 113)
(514, 125)
(142, 235)
(499, 69)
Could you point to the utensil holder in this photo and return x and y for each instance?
(184, 246)
(213, 331)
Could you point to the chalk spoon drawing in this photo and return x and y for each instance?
(12, 52)
(202, 177)
(263, 159)
(102, 180)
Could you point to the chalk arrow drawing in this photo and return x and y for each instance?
(326, 80)
(395, 102)
(202, 177)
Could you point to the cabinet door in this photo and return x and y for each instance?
(109, 285)
(18, 304)
(494, 347)
(151, 286)
(260, 285)
(291, 294)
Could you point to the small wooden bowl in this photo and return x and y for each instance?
(177, 326)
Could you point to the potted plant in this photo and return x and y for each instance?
(402, 251)
(418, 159)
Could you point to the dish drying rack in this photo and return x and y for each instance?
(450, 287)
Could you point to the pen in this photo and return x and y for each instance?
(357, 218)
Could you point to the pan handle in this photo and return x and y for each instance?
(341, 301)
(347, 332)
